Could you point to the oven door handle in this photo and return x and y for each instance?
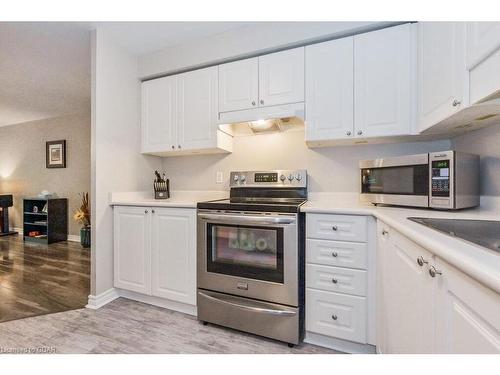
(248, 219)
(248, 307)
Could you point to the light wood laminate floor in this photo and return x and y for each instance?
(125, 326)
(40, 279)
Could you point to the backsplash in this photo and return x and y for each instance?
(330, 169)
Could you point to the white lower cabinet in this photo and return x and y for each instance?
(155, 252)
(421, 311)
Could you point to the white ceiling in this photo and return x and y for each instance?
(44, 71)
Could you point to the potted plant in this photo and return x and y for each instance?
(82, 216)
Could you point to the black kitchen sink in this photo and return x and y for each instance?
(481, 232)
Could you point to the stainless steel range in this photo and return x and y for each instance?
(251, 255)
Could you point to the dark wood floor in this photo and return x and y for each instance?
(40, 279)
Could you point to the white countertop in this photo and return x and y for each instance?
(478, 262)
(180, 199)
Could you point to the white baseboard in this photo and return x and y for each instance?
(71, 237)
(338, 344)
(96, 302)
(160, 302)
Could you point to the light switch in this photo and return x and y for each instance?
(219, 178)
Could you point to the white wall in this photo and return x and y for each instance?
(117, 164)
(245, 41)
(331, 169)
(486, 143)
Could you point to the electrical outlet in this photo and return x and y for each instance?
(219, 178)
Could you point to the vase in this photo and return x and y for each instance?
(85, 237)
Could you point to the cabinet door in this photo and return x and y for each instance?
(197, 109)
(239, 85)
(159, 118)
(441, 71)
(330, 90)
(483, 38)
(407, 290)
(382, 82)
(467, 314)
(132, 252)
(281, 77)
(174, 254)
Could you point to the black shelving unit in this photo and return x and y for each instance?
(52, 225)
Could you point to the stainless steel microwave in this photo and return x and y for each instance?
(442, 180)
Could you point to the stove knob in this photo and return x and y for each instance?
(290, 177)
(282, 177)
(236, 178)
(243, 178)
(298, 177)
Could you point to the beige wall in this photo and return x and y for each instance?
(22, 162)
(330, 169)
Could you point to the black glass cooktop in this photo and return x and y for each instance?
(255, 204)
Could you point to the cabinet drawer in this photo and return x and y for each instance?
(335, 279)
(337, 253)
(336, 315)
(337, 227)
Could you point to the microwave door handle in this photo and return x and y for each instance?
(247, 219)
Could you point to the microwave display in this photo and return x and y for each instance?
(403, 180)
(441, 178)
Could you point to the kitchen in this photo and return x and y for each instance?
(293, 164)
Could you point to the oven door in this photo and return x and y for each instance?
(254, 255)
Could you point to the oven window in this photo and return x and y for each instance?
(404, 180)
(245, 251)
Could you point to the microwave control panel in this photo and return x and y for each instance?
(440, 178)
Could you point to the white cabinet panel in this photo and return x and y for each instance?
(337, 315)
(159, 118)
(239, 85)
(173, 251)
(197, 109)
(330, 90)
(336, 279)
(281, 77)
(132, 256)
(337, 227)
(442, 73)
(337, 253)
(483, 38)
(467, 314)
(382, 82)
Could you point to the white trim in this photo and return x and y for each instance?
(160, 302)
(71, 237)
(338, 344)
(96, 302)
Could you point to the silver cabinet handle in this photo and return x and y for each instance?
(152, 211)
(334, 227)
(261, 101)
(334, 317)
(253, 102)
(178, 146)
(456, 103)
(173, 147)
(360, 132)
(334, 280)
(384, 232)
(335, 254)
(146, 211)
(433, 271)
(421, 261)
(348, 132)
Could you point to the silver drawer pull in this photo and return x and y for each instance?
(433, 271)
(334, 227)
(335, 254)
(334, 280)
(334, 317)
(421, 261)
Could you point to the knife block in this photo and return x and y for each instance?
(162, 189)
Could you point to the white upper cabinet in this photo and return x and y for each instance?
(158, 123)
(239, 85)
(483, 38)
(197, 109)
(281, 77)
(330, 90)
(441, 71)
(383, 63)
(173, 252)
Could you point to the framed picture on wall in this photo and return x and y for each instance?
(55, 156)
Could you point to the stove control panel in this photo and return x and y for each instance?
(276, 178)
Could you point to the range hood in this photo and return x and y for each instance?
(476, 116)
(263, 120)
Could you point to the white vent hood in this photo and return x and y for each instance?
(476, 116)
(263, 120)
